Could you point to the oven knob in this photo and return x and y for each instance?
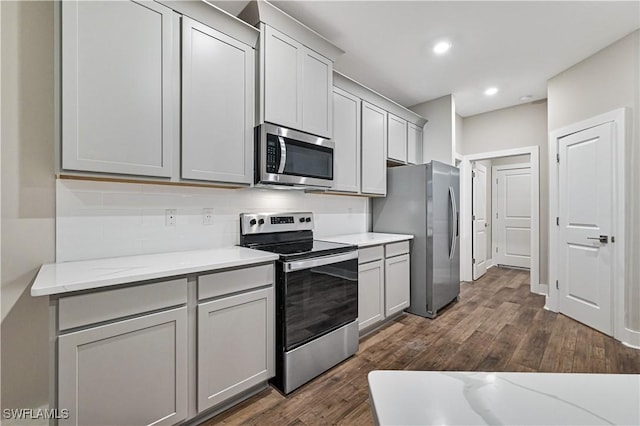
(261, 222)
(302, 220)
(252, 222)
(308, 219)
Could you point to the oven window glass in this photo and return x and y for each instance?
(319, 300)
(304, 159)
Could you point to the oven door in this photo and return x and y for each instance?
(320, 295)
(289, 157)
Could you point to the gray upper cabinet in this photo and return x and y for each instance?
(414, 144)
(297, 84)
(346, 136)
(374, 150)
(217, 105)
(397, 143)
(131, 372)
(282, 84)
(117, 82)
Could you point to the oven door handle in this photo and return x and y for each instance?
(299, 265)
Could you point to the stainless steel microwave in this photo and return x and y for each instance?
(292, 158)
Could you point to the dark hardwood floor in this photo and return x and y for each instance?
(497, 325)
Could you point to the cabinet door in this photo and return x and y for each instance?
(346, 136)
(217, 105)
(282, 79)
(397, 142)
(132, 372)
(374, 150)
(370, 293)
(317, 87)
(117, 84)
(414, 144)
(235, 345)
(397, 276)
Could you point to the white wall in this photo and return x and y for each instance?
(28, 195)
(508, 128)
(439, 132)
(102, 219)
(608, 80)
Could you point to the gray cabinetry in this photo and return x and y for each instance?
(235, 345)
(346, 137)
(236, 321)
(374, 150)
(397, 143)
(131, 372)
(117, 82)
(397, 277)
(297, 84)
(217, 105)
(370, 287)
(414, 144)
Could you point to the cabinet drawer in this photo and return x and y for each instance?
(396, 249)
(84, 309)
(369, 254)
(226, 282)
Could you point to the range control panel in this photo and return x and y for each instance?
(260, 223)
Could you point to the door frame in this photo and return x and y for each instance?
(466, 200)
(621, 121)
(494, 199)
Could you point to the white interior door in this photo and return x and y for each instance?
(585, 183)
(512, 224)
(479, 220)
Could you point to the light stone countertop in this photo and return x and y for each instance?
(367, 239)
(476, 398)
(57, 278)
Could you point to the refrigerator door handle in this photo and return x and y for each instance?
(452, 245)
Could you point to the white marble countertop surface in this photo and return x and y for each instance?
(367, 239)
(56, 278)
(475, 398)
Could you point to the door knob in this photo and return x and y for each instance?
(602, 238)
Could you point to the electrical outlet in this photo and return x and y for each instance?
(170, 217)
(207, 216)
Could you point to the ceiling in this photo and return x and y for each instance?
(515, 46)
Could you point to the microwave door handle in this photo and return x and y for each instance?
(283, 155)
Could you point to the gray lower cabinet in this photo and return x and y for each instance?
(346, 137)
(217, 105)
(117, 82)
(370, 293)
(130, 372)
(235, 345)
(397, 285)
(374, 150)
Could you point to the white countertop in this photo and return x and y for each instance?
(368, 239)
(56, 278)
(474, 398)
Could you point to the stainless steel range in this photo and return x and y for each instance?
(316, 295)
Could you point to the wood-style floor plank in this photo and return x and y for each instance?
(497, 325)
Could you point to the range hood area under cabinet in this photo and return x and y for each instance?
(161, 90)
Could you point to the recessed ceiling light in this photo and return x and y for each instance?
(442, 47)
(526, 98)
(491, 91)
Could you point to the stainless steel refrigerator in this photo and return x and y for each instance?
(423, 200)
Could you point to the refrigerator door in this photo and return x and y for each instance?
(455, 255)
(441, 208)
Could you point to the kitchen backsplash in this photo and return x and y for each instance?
(105, 219)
